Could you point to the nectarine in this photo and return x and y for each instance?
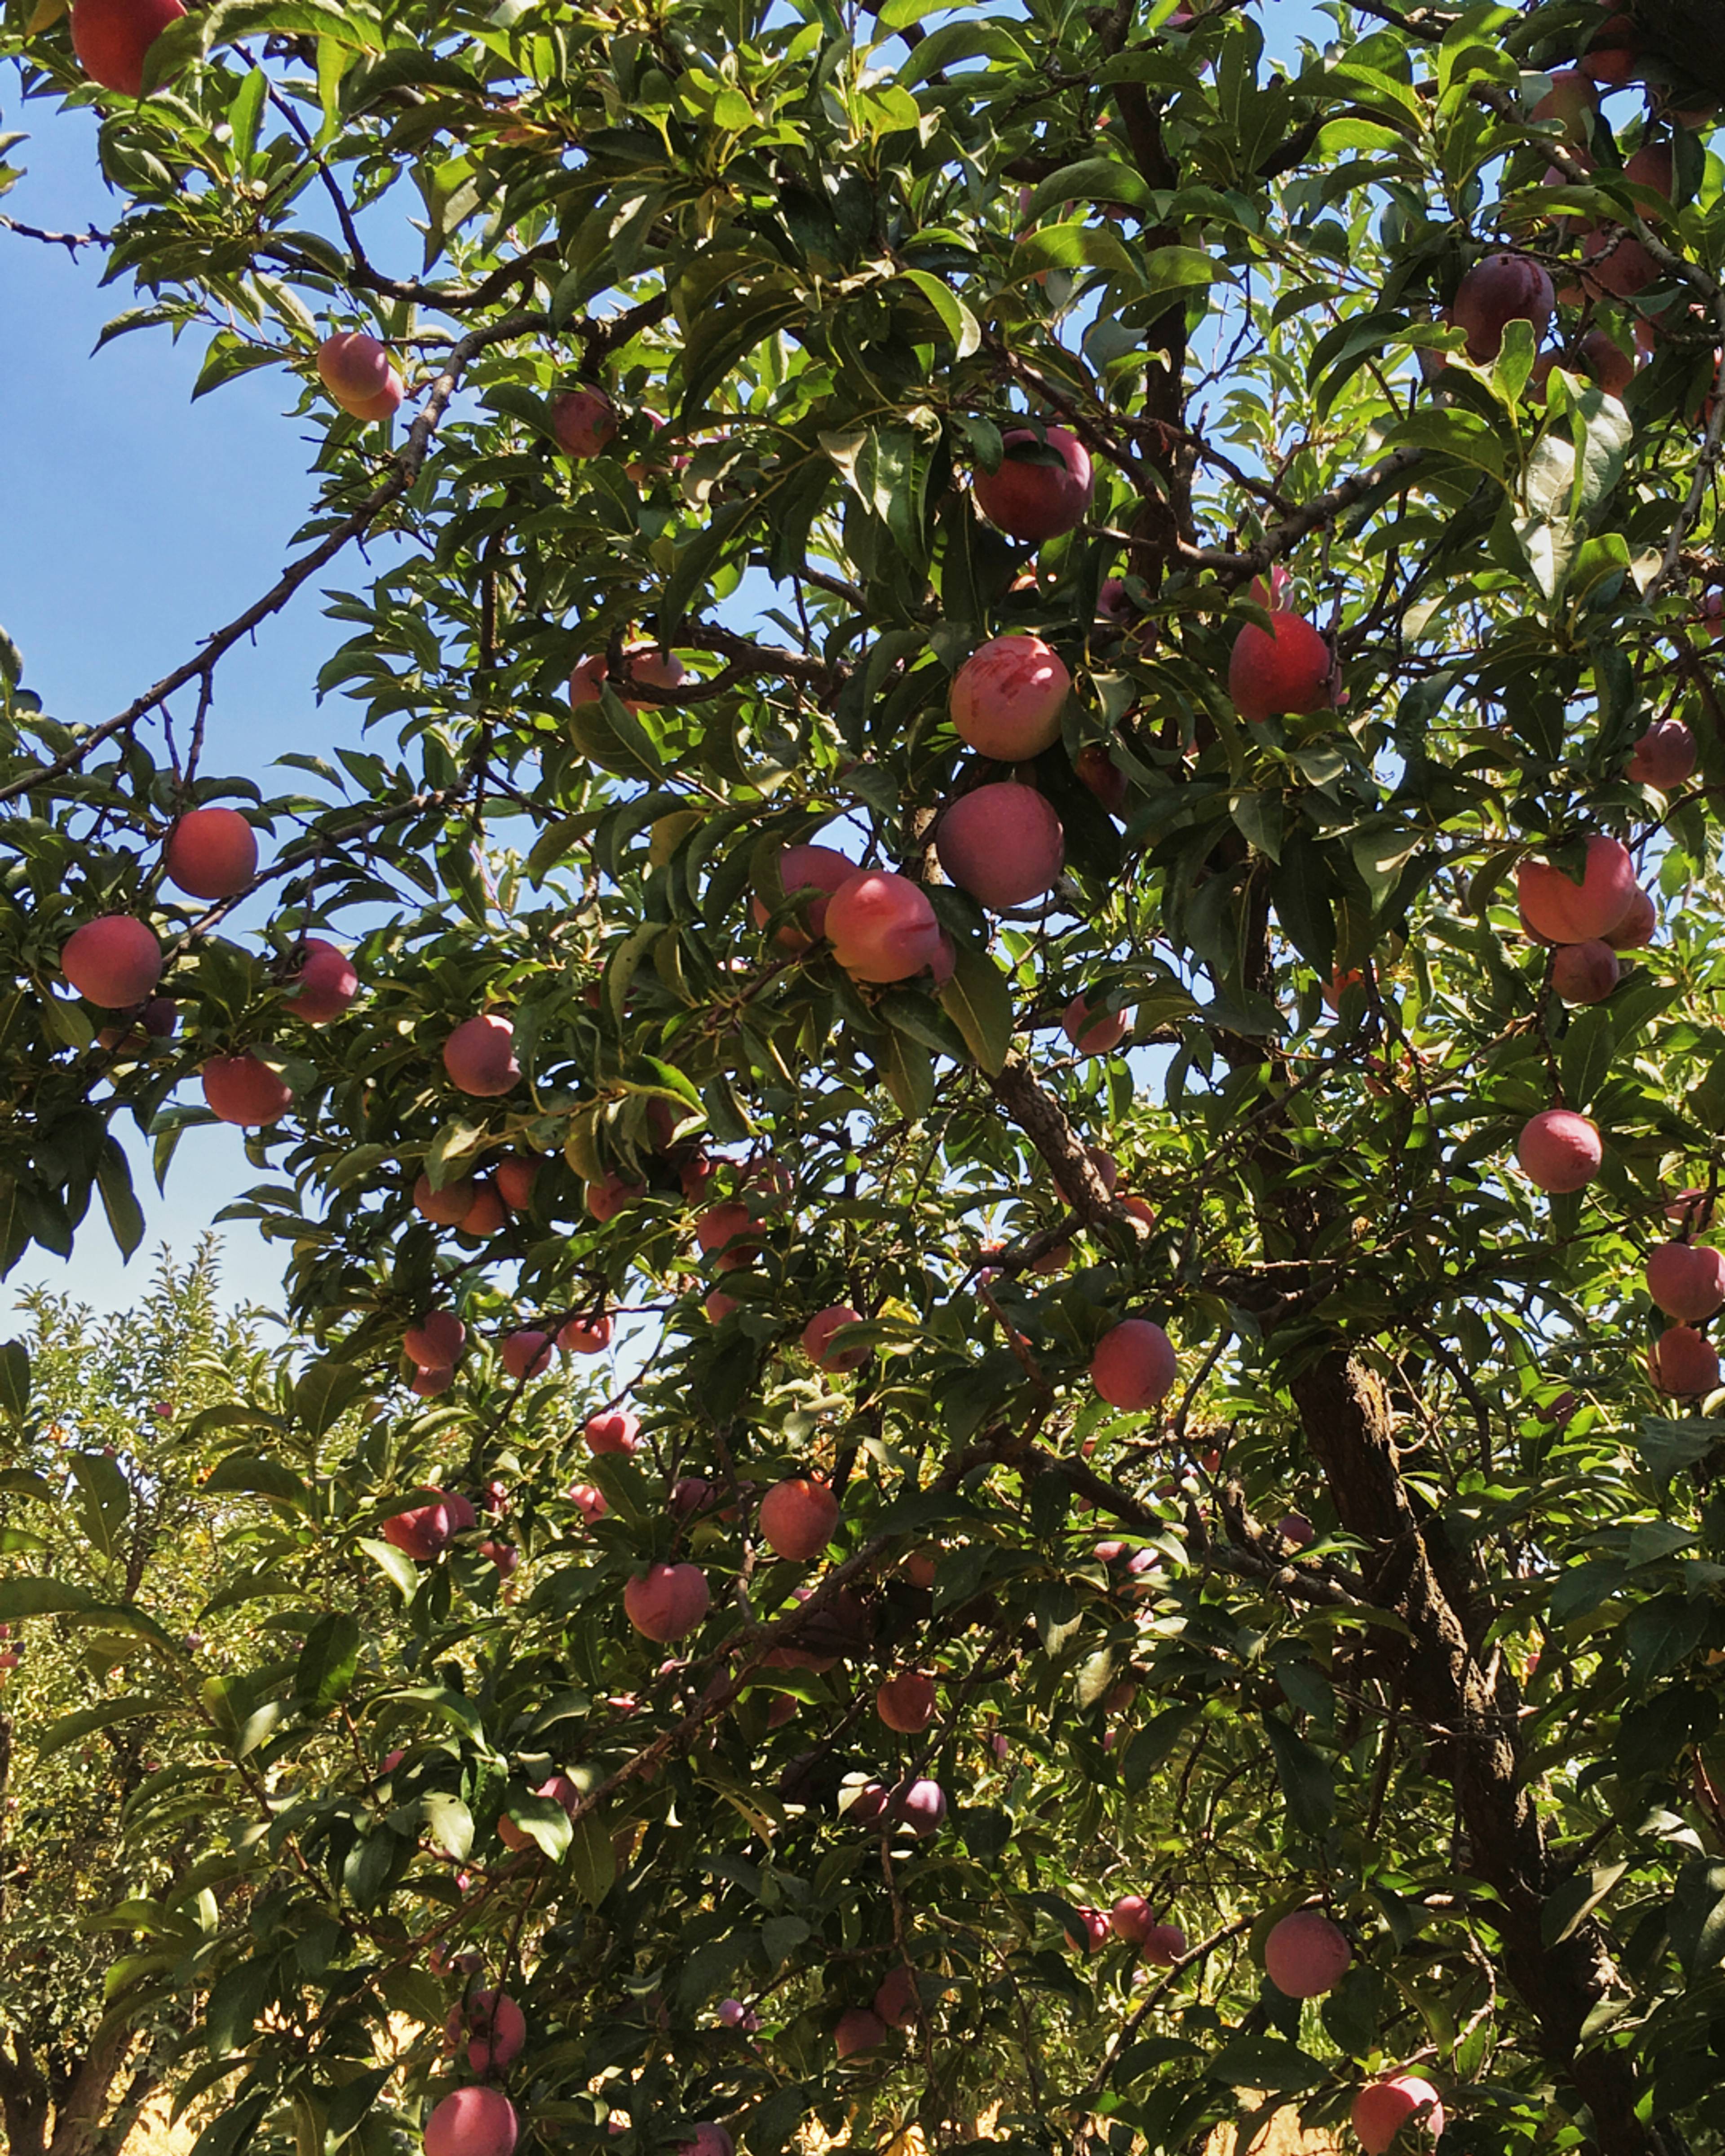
(1687, 1280)
(1043, 485)
(474, 2121)
(667, 1601)
(1585, 973)
(1564, 911)
(325, 985)
(1559, 1150)
(111, 39)
(1007, 698)
(797, 1518)
(114, 961)
(1133, 1366)
(1306, 1955)
(1683, 1361)
(1001, 843)
(239, 1089)
(583, 421)
(480, 1056)
(817, 1339)
(210, 853)
(881, 925)
(1285, 670)
(1384, 2107)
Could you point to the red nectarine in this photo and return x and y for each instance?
(114, 961)
(1002, 843)
(1007, 698)
(480, 1056)
(881, 925)
(239, 1088)
(1042, 487)
(210, 853)
(1559, 1150)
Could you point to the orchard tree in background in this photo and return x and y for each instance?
(993, 1083)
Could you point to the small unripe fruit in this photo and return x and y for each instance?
(618, 1431)
(1007, 698)
(1383, 2109)
(1664, 756)
(668, 1601)
(797, 1518)
(907, 1702)
(817, 1337)
(357, 370)
(112, 962)
(526, 1354)
(1559, 1150)
(1563, 911)
(583, 421)
(1133, 1366)
(1683, 1361)
(1285, 670)
(858, 2030)
(1095, 1032)
(436, 1342)
(1496, 292)
(474, 2121)
(210, 853)
(1031, 496)
(480, 1056)
(1585, 973)
(1002, 843)
(239, 1089)
(1306, 1955)
(881, 927)
(325, 985)
(814, 873)
(1687, 1280)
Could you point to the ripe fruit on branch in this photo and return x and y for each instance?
(516, 1178)
(858, 2030)
(708, 2139)
(667, 1601)
(1687, 1280)
(1034, 495)
(1095, 1034)
(920, 1806)
(436, 1342)
(526, 1354)
(1563, 911)
(423, 1531)
(583, 421)
(802, 870)
(1559, 1150)
(474, 2121)
(111, 38)
(1002, 843)
(605, 1199)
(560, 1789)
(1007, 698)
(726, 1234)
(1572, 100)
(585, 1336)
(1501, 290)
(114, 961)
(1596, 355)
(1306, 1955)
(617, 1431)
(1384, 2107)
(1096, 770)
(1133, 1366)
(1684, 1362)
(480, 1056)
(239, 1089)
(325, 985)
(1295, 1528)
(1663, 758)
(1585, 973)
(907, 1702)
(486, 1214)
(797, 1518)
(818, 1338)
(210, 853)
(1635, 929)
(357, 370)
(881, 927)
(1165, 1944)
(588, 1499)
(644, 663)
(447, 1208)
(1287, 669)
(1093, 1935)
(897, 2002)
(495, 2026)
(1131, 1919)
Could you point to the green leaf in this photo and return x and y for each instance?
(251, 1475)
(977, 999)
(87, 1720)
(592, 1859)
(1568, 1908)
(328, 1662)
(907, 1071)
(1585, 1060)
(323, 1394)
(450, 1824)
(1666, 1445)
(125, 1216)
(106, 1500)
(958, 321)
(1308, 1781)
(14, 1379)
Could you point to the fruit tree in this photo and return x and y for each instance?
(991, 1075)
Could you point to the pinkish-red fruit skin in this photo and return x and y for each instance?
(423, 1531)
(239, 1089)
(897, 2001)
(802, 869)
(357, 371)
(1585, 973)
(1095, 1032)
(1134, 1365)
(858, 2030)
(497, 2028)
(585, 1336)
(210, 853)
(723, 1233)
(1636, 928)
(1687, 1280)
(1131, 1919)
(650, 668)
(817, 1337)
(907, 1703)
(606, 1199)
(670, 1600)
(111, 39)
(480, 1056)
(1004, 843)
(1165, 1944)
(1663, 758)
(797, 1518)
(1684, 1362)
(618, 1431)
(447, 1208)
(1098, 771)
(486, 1213)
(474, 2121)
(526, 1354)
(325, 985)
(1559, 1150)
(436, 1342)
(1384, 2107)
(516, 1178)
(112, 962)
(1571, 99)
(881, 927)
(1563, 911)
(1501, 290)
(1007, 696)
(583, 421)
(1283, 671)
(1306, 1955)
(1093, 1937)
(1032, 501)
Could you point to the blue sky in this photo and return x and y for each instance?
(137, 522)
